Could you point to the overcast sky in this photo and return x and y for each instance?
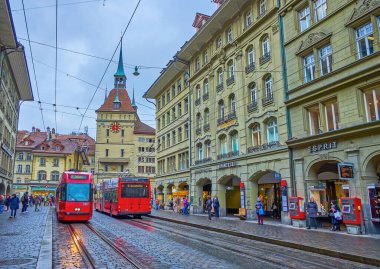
(158, 30)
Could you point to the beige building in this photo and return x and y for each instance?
(237, 120)
(14, 87)
(124, 144)
(333, 62)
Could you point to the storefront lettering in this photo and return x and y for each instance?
(323, 146)
(227, 165)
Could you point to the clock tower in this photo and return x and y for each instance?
(124, 144)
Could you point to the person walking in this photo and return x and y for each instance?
(216, 205)
(14, 205)
(185, 205)
(260, 211)
(275, 210)
(25, 202)
(157, 204)
(2, 201)
(31, 201)
(8, 202)
(337, 217)
(312, 211)
(209, 206)
(37, 203)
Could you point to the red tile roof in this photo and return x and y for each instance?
(142, 128)
(126, 104)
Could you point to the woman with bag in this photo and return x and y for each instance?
(337, 217)
(312, 212)
(260, 211)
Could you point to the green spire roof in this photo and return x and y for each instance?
(117, 97)
(133, 98)
(120, 67)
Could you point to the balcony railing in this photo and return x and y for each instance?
(228, 155)
(205, 96)
(197, 101)
(198, 131)
(220, 87)
(263, 147)
(267, 100)
(206, 127)
(203, 161)
(250, 68)
(230, 116)
(230, 80)
(265, 58)
(252, 106)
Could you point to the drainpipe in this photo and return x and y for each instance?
(288, 120)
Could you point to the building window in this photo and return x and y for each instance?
(272, 131)
(163, 121)
(207, 116)
(200, 151)
(27, 169)
(168, 118)
(168, 96)
(179, 134)
(221, 109)
(219, 42)
(122, 133)
(185, 79)
(314, 120)
(253, 93)
(331, 115)
(208, 149)
(92, 170)
(158, 124)
(186, 104)
(121, 168)
(107, 151)
(28, 157)
(325, 59)
(197, 64)
(304, 18)
(179, 85)
(173, 90)
(220, 76)
(198, 91)
(122, 153)
(266, 46)
(55, 176)
(248, 19)
(205, 58)
(230, 69)
(250, 56)
(232, 103)
(235, 142)
(205, 86)
(106, 167)
(163, 142)
(173, 114)
(107, 132)
(255, 135)
(168, 140)
(19, 169)
(372, 104)
(56, 162)
(262, 7)
(309, 67)
(268, 87)
(163, 100)
(199, 120)
(141, 169)
(20, 156)
(41, 175)
(173, 138)
(223, 144)
(158, 104)
(42, 161)
(186, 131)
(320, 9)
(364, 40)
(230, 36)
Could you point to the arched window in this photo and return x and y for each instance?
(55, 176)
(250, 56)
(220, 76)
(265, 46)
(223, 144)
(200, 151)
(230, 69)
(268, 87)
(198, 91)
(262, 7)
(205, 87)
(199, 120)
(272, 130)
(232, 101)
(208, 149)
(255, 135)
(221, 109)
(248, 19)
(252, 93)
(41, 175)
(207, 116)
(234, 142)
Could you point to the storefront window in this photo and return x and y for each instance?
(374, 201)
(372, 104)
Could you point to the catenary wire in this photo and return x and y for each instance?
(64, 4)
(56, 63)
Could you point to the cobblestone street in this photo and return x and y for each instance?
(148, 243)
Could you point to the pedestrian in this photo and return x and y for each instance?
(157, 203)
(209, 206)
(14, 205)
(8, 202)
(185, 205)
(312, 211)
(25, 202)
(337, 218)
(31, 201)
(275, 210)
(216, 205)
(2, 201)
(260, 211)
(37, 203)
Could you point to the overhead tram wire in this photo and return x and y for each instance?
(64, 4)
(109, 63)
(56, 64)
(34, 69)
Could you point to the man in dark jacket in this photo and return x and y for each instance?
(208, 206)
(14, 205)
(25, 202)
(312, 210)
(215, 204)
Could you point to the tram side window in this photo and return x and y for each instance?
(63, 192)
(114, 196)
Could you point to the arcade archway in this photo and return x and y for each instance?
(2, 188)
(372, 172)
(229, 194)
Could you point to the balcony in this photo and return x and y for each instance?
(206, 127)
(203, 161)
(252, 107)
(230, 116)
(205, 96)
(265, 58)
(3, 171)
(267, 100)
(220, 87)
(230, 80)
(250, 68)
(197, 101)
(228, 155)
(198, 131)
(263, 147)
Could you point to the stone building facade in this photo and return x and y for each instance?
(333, 62)
(14, 87)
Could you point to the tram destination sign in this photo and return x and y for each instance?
(323, 146)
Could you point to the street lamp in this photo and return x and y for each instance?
(136, 73)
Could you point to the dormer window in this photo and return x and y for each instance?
(116, 105)
(42, 147)
(26, 143)
(57, 148)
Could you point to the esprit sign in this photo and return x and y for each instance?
(323, 146)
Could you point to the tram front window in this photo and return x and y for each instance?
(78, 192)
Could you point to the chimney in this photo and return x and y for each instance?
(38, 130)
(53, 130)
(200, 20)
(218, 2)
(33, 129)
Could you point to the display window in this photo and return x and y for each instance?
(270, 194)
(374, 201)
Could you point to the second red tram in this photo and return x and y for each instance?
(124, 196)
(74, 196)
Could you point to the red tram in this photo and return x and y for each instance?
(124, 196)
(74, 197)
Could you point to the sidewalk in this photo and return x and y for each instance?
(362, 249)
(21, 238)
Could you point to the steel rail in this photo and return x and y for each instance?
(86, 256)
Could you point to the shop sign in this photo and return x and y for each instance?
(346, 171)
(41, 188)
(323, 146)
(180, 193)
(227, 165)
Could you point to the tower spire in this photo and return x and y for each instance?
(120, 78)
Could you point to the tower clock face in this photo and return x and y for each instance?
(115, 127)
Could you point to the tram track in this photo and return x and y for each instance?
(88, 259)
(244, 249)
